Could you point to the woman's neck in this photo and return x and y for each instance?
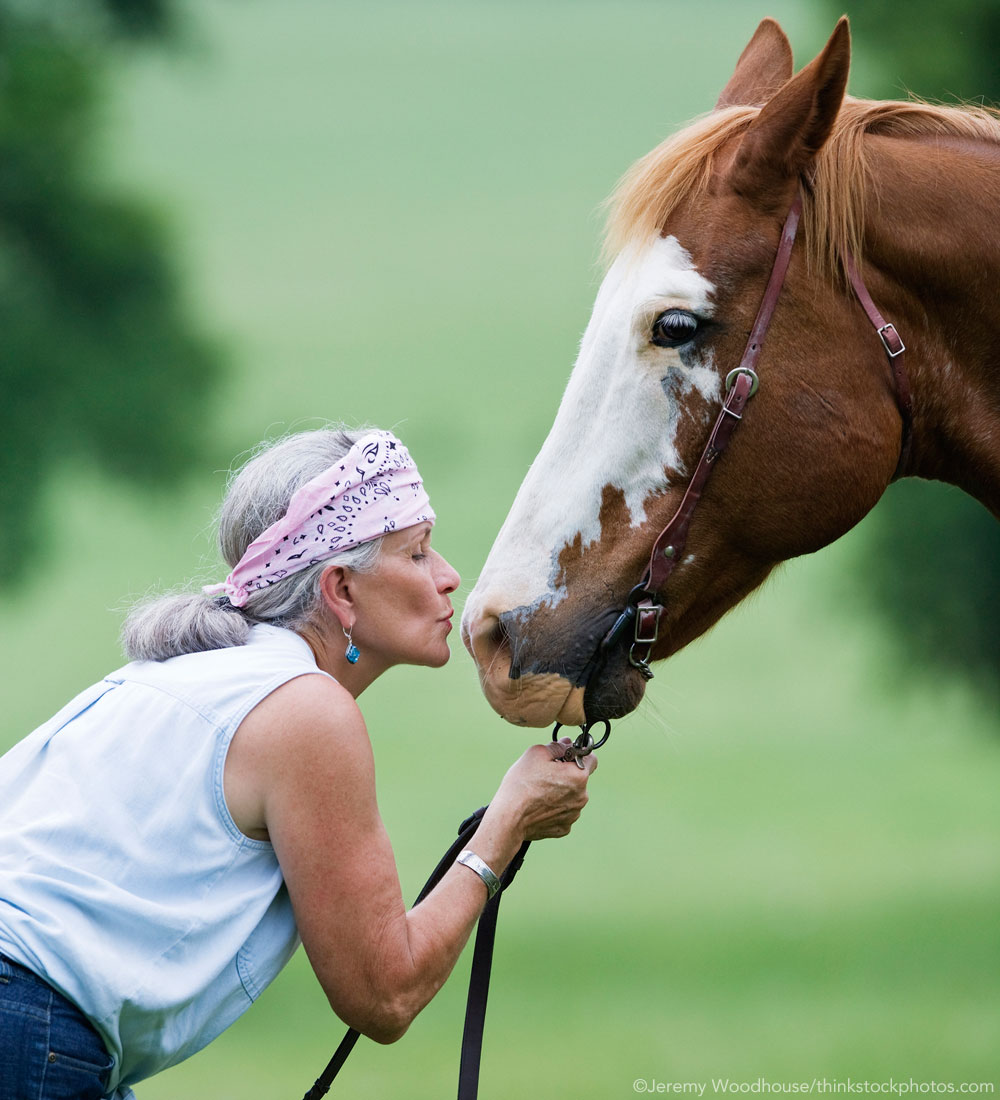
(329, 647)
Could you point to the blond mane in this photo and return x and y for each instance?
(833, 215)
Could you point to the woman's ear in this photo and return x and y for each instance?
(335, 586)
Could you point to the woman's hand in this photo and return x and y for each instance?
(542, 795)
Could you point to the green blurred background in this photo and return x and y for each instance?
(389, 212)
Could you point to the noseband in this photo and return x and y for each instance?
(644, 608)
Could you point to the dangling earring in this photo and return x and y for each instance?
(352, 653)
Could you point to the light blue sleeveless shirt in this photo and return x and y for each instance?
(124, 881)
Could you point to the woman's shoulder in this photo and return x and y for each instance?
(308, 731)
(311, 721)
(312, 703)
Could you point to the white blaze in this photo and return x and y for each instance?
(617, 425)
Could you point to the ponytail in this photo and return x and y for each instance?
(185, 623)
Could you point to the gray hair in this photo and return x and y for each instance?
(257, 496)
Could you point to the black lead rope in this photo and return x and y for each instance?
(479, 980)
(479, 985)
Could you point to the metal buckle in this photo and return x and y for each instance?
(885, 343)
(731, 380)
(656, 611)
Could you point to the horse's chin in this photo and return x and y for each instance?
(573, 712)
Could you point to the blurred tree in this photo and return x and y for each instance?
(934, 555)
(140, 18)
(98, 359)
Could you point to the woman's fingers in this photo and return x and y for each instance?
(557, 795)
(544, 791)
(557, 749)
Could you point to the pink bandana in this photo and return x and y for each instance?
(374, 489)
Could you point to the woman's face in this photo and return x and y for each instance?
(404, 607)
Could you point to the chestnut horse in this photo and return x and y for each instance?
(910, 192)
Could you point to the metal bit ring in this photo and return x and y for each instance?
(584, 744)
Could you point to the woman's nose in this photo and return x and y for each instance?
(448, 578)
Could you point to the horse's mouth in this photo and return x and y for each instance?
(539, 699)
(542, 699)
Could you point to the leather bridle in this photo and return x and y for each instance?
(644, 605)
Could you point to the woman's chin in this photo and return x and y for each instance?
(436, 658)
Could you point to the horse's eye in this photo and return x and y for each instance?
(673, 328)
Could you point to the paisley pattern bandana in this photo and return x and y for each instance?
(374, 489)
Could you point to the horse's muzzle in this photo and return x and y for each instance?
(534, 672)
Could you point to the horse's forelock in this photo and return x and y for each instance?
(678, 168)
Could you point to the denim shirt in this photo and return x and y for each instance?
(124, 880)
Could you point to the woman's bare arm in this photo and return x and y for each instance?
(300, 771)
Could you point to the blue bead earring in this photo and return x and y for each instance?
(352, 653)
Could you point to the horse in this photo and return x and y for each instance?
(895, 203)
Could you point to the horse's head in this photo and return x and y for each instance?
(694, 234)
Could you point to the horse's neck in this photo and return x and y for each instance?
(934, 234)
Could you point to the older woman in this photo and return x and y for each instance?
(167, 838)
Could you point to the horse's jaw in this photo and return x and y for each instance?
(538, 700)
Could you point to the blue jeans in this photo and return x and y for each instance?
(48, 1048)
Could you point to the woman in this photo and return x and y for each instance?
(169, 835)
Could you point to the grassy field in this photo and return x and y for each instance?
(790, 867)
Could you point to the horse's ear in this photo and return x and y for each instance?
(763, 67)
(793, 125)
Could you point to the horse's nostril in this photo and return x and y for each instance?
(484, 636)
(490, 639)
(499, 637)
(510, 643)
